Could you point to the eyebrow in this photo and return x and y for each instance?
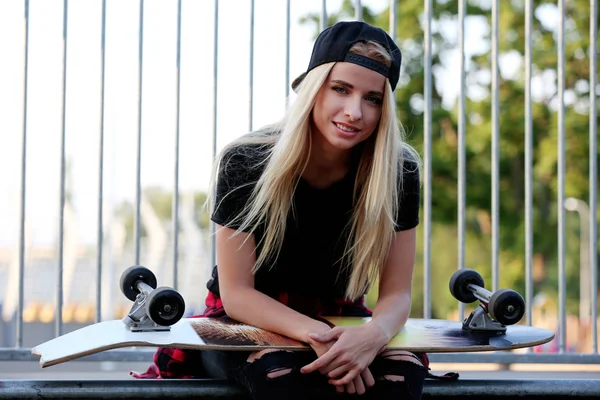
(344, 83)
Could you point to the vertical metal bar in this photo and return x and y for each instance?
(61, 221)
(462, 171)
(593, 197)
(138, 181)
(287, 51)
(251, 72)
(358, 12)
(394, 30)
(394, 27)
(19, 333)
(561, 180)
(495, 149)
(175, 211)
(427, 166)
(528, 166)
(215, 98)
(323, 20)
(101, 168)
(394, 20)
(582, 209)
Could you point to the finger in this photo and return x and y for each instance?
(350, 388)
(367, 377)
(326, 336)
(338, 373)
(336, 364)
(349, 377)
(359, 385)
(318, 363)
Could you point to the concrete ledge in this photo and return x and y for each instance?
(212, 389)
(496, 389)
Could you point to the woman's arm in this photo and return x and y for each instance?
(393, 304)
(356, 346)
(243, 302)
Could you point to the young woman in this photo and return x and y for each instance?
(310, 213)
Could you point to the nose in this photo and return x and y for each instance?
(353, 109)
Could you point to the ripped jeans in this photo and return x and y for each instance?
(276, 375)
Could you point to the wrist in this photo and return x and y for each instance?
(379, 332)
(315, 327)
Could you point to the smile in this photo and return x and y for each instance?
(345, 128)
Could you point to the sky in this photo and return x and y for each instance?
(158, 113)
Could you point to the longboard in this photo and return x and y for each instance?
(155, 320)
(418, 335)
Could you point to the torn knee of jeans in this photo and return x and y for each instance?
(270, 364)
(277, 372)
(392, 378)
(399, 355)
(396, 371)
(260, 354)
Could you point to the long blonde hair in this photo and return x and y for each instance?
(287, 147)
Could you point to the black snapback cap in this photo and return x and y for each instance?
(333, 43)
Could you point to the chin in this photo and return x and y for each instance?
(344, 143)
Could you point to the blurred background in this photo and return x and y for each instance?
(120, 106)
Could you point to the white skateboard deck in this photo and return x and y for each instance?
(418, 335)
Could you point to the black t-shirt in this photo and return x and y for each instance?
(311, 261)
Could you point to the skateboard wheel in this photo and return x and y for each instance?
(131, 276)
(459, 284)
(506, 306)
(165, 306)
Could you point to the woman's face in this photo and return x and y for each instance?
(348, 106)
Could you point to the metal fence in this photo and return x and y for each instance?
(101, 267)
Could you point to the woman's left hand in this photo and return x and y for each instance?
(354, 349)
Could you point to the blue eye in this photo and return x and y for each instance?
(374, 100)
(370, 99)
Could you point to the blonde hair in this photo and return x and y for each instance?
(287, 151)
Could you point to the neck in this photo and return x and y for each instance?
(326, 164)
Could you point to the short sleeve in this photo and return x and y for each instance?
(236, 180)
(409, 191)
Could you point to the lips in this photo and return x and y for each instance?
(346, 127)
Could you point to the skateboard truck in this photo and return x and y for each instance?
(495, 311)
(479, 321)
(153, 309)
(137, 319)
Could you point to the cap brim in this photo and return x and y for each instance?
(298, 81)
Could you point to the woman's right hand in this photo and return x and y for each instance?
(359, 384)
(320, 349)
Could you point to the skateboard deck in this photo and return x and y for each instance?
(418, 335)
